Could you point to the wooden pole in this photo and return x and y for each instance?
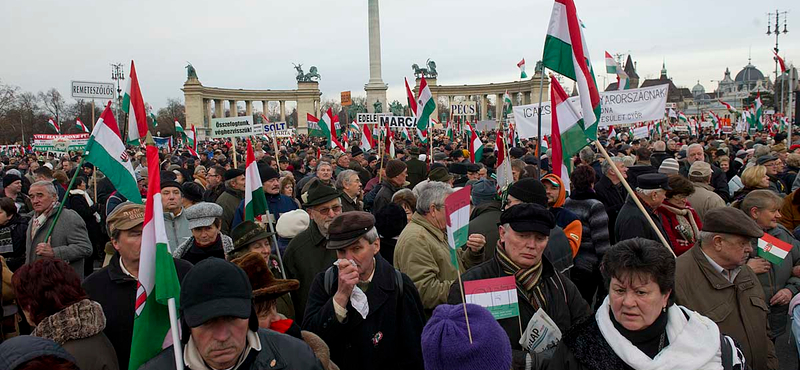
(633, 196)
(235, 161)
(464, 304)
(61, 205)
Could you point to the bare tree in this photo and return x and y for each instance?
(166, 117)
(53, 103)
(7, 96)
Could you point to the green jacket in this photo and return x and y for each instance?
(422, 253)
(305, 257)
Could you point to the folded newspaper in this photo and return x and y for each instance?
(541, 334)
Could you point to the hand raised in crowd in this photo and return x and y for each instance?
(782, 297)
(759, 265)
(476, 242)
(348, 278)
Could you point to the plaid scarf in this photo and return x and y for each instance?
(39, 220)
(527, 279)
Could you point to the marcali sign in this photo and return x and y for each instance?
(398, 121)
(619, 108)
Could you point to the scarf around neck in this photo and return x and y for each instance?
(689, 231)
(526, 278)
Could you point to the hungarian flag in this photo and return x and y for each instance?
(449, 133)
(425, 106)
(475, 146)
(389, 145)
(327, 125)
(507, 106)
(682, 117)
(773, 249)
(758, 119)
(567, 134)
(81, 126)
(255, 202)
(521, 66)
(456, 210)
(730, 108)
(612, 66)
(504, 174)
(780, 62)
(158, 282)
(367, 141)
(106, 150)
(179, 129)
(566, 53)
(133, 104)
(498, 295)
(52, 122)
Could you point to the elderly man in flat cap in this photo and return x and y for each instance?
(230, 199)
(217, 307)
(631, 223)
(524, 231)
(712, 279)
(369, 313)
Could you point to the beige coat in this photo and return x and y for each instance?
(423, 254)
(704, 199)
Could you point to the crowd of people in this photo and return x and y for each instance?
(352, 267)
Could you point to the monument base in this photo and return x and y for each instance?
(376, 93)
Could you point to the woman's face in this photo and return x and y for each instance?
(678, 200)
(4, 217)
(764, 183)
(724, 165)
(288, 190)
(178, 176)
(409, 212)
(263, 247)
(636, 304)
(766, 218)
(206, 235)
(82, 185)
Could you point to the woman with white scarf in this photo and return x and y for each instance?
(638, 327)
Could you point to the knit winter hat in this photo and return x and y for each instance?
(10, 178)
(445, 341)
(529, 190)
(395, 167)
(669, 166)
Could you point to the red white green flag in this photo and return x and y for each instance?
(255, 202)
(613, 67)
(475, 146)
(566, 53)
(504, 174)
(758, 119)
(728, 107)
(773, 249)
(158, 288)
(456, 210)
(567, 134)
(106, 150)
(780, 62)
(54, 125)
(133, 104)
(367, 141)
(81, 126)
(521, 66)
(425, 106)
(328, 126)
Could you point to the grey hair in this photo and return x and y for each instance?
(646, 192)
(606, 165)
(660, 146)
(371, 235)
(432, 194)
(706, 237)
(587, 155)
(323, 163)
(345, 177)
(47, 185)
(695, 145)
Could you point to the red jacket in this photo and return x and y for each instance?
(669, 221)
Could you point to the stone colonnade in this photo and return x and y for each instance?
(199, 100)
(521, 92)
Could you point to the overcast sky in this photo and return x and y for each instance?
(252, 44)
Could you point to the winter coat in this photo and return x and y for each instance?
(384, 196)
(6, 287)
(719, 181)
(565, 218)
(631, 223)
(704, 199)
(564, 303)
(370, 194)
(657, 158)
(483, 220)
(12, 241)
(350, 204)
(277, 204)
(672, 222)
(422, 253)
(229, 200)
(389, 338)
(306, 256)
(77, 202)
(777, 185)
(635, 171)
(278, 351)
(387, 249)
(613, 197)
(79, 329)
(363, 174)
(177, 227)
(778, 277)
(116, 293)
(595, 240)
(738, 308)
(417, 171)
(70, 240)
(224, 244)
(211, 195)
(790, 211)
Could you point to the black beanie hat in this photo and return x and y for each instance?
(390, 220)
(529, 190)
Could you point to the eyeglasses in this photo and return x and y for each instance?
(326, 211)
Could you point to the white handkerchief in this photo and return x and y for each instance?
(357, 298)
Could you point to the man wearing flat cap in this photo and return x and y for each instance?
(396, 174)
(217, 307)
(306, 255)
(524, 231)
(712, 278)
(385, 333)
(230, 199)
(704, 198)
(114, 286)
(631, 223)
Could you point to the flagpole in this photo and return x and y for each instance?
(61, 205)
(235, 162)
(633, 196)
(539, 123)
(175, 330)
(464, 302)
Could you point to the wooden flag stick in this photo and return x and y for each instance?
(633, 196)
(464, 301)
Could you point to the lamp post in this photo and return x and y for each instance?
(777, 15)
(118, 74)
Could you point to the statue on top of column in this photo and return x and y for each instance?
(191, 73)
(428, 72)
(311, 76)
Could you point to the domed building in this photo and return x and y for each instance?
(698, 90)
(748, 78)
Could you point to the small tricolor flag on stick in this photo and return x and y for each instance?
(773, 249)
(456, 209)
(521, 66)
(498, 295)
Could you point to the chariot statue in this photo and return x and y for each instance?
(311, 76)
(429, 71)
(190, 71)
